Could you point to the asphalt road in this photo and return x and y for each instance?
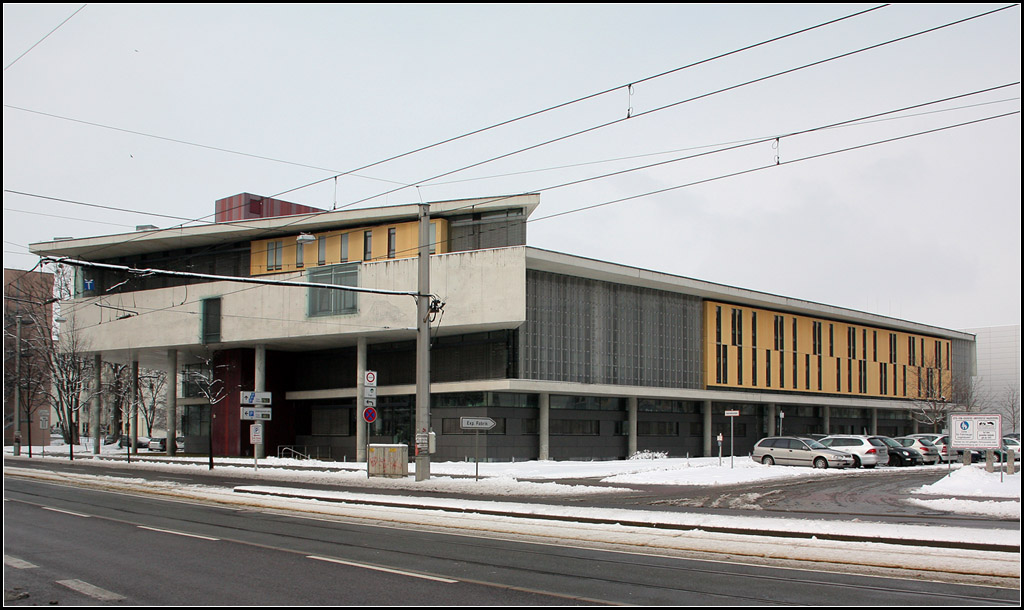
(68, 545)
(879, 494)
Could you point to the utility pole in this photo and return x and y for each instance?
(422, 437)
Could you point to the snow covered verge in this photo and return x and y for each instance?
(966, 489)
(964, 486)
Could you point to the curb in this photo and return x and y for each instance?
(999, 548)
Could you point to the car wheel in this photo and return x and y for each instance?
(856, 462)
(820, 463)
(768, 460)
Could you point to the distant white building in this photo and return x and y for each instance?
(998, 367)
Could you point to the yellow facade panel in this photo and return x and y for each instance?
(279, 254)
(828, 356)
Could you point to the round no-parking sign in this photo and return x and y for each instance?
(369, 415)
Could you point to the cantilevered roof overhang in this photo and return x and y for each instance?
(107, 247)
(578, 266)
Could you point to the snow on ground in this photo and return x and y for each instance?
(967, 483)
(503, 507)
(967, 489)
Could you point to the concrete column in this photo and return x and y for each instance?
(97, 406)
(260, 385)
(633, 409)
(172, 402)
(133, 421)
(706, 411)
(826, 416)
(769, 412)
(543, 425)
(874, 421)
(362, 428)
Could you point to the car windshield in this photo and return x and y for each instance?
(890, 442)
(926, 442)
(813, 444)
(1012, 442)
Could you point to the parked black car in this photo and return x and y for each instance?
(900, 455)
(140, 442)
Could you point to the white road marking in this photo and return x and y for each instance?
(21, 564)
(381, 569)
(91, 590)
(156, 529)
(66, 512)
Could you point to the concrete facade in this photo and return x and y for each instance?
(998, 371)
(572, 357)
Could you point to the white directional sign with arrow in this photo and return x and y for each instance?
(476, 423)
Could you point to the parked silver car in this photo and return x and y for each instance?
(160, 444)
(795, 451)
(924, 447)
(941, 442)
(867, 452)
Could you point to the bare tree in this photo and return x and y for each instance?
(152, 395)
(27, 323)
(117, 395)
(941, 393)
(1010, 404)
(68, 362)
(71, 369)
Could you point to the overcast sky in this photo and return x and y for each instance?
(163, 109)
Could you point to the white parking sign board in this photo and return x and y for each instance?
(975, 431)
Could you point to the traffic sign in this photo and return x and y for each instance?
(970, 431)
(476, 423)
(732, 413)
(255, 398)
(370, 378)
(369, 415)
(256, 433)
(256, 413)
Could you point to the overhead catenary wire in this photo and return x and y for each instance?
(747, 143)
(231, 278)
(683, 101)
(771, 165)
(471, 133)
(774, 164)
(542, 111)
(59, 25)
(878, 117)
(594, 95)
(658, 109)
(669, 106)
